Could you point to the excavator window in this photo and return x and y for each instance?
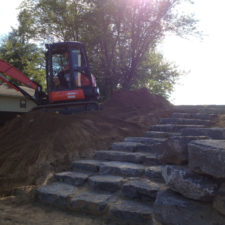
(69, 69)
(61, 70)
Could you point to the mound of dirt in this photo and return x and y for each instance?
(140, 100)
(37, 144)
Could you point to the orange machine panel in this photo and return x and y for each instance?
(58, 96)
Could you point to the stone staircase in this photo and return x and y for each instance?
(121, 184)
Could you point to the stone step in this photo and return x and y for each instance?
(56, 194)
(145, 140)
(106, 205)
(92, 202)
(214, 133)
(184, 121)
(154, 173)
(105, 183)
(128, 212)
(134, 157)
(133, 147)
(73, 178)
(201, 116)
(160, 134)
(141, 189)
(200, 109)
(173, 127)
(86, 165)
(122, 169)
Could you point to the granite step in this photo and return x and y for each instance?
(145, 140)
(134, 157)
(141, 189)
(73, 178)
(56, 194)
(173, 127)
(107, 205)
(134, 147)
(86, 165)
(201, 116)
(184, 121)
(125, 169)
(106, 183)
(214, 133)
(209, 109)
(92, 203)
(160, 134)
(128, 212)
(154, 173)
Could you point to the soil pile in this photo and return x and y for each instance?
(36, 144)
(140, 100)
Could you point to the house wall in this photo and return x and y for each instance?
(15, 104)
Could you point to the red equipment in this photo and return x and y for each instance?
(70, 84)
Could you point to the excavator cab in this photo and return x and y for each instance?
(68, 73)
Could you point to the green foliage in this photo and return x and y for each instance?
(157, 75)
(26, 57)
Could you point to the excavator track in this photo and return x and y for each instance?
(69, 108)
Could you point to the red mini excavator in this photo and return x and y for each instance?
(70, 85)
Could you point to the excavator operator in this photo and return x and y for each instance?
(64, 77)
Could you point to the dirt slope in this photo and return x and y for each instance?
(36, 144)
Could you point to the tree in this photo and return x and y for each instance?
(119, 34)
(156, 75)
(26, 57)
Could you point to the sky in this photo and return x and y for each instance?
(203, 60)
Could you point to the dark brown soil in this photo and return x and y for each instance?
(36, 144)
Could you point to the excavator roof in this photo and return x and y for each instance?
(59, 45)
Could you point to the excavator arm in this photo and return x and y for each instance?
(12, 72)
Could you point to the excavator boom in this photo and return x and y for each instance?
(11, 71)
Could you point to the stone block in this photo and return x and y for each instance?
(131, 147)
(145, 140)
(151, 159)
(86, 165)
(91, 203)
(189, 184)
(201, 116)
(175, 150)
(56, 194)
(122, 169)
(173, 209)
(154, 173)
(214, 133)
(219, 201)
(158, 134)
(184, 121)
(173, 127)
(106, 182)
(141, 189)
(73, 178)
(127, 212)
(109, 155)
(207, 157)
